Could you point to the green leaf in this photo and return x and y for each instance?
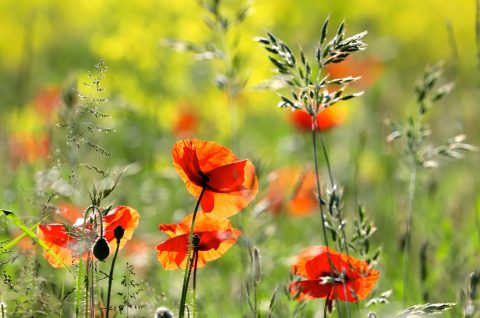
(27, 231)
(15, 241)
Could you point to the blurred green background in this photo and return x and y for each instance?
(46, 45)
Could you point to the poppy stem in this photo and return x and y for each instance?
(186, 276)
(110, 278)
(195, 256)
(406, 251)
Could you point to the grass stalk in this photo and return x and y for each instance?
(408, 231)
(333, 186)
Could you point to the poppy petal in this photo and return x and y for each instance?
(59, 242)
(227, 178)
(124, 216)
(208, 201)
(169, 229)
(229, 203)
(172, 254)
(306, 289)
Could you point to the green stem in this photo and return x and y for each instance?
(80, 277)
(186, 276)
(195, 255)
(406, 252)
(333, 186)
(110, 278)
(322, 215)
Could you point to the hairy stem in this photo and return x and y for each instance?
(186, 276)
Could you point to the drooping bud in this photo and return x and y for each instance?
(118, 232)
(101, 250)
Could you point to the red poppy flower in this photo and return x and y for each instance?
(186, 124)
(230, 184)
(313, 264)
(216, 236)
(293, 189)
(327, 118)
(47, 100)
(64, 240)
(28, 148)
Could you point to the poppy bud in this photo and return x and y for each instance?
(101, 250)
(163, 312)
(118, 232)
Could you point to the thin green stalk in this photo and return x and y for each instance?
(92, 290)
(110, 278)
(86, 286)
(320, 203)
(332, 184)
(186, 277)
(406, 251)
(80, 276)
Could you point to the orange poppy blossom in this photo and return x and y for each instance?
(47, 101)
(27, 147)
(228, 184)
(64, 240)
(293, 189)
(313, 263)
(186, 124)
(326, 118)
(216, 237)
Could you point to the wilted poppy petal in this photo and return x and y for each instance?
(124, 216)
(306, 289)
(59, 242)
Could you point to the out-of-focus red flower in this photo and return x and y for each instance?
(185, 124)
(293, 189)
(230, 184)
(47, 100)
(353, 279)
(370, 69)
(29, 148)
(327, 118)
(216, 236)
(65, 240)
